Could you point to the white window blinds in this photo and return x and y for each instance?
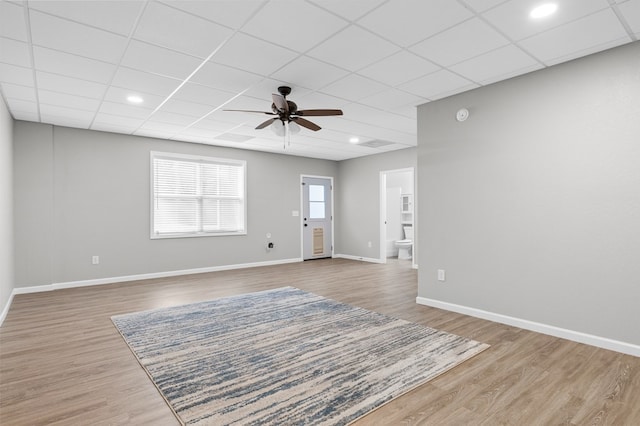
(197, 196)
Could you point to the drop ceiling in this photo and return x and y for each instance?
(74, 63)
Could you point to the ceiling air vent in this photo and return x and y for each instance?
(233, 137)
(375, 143)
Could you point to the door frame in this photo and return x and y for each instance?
(302, 176)
(383, 214)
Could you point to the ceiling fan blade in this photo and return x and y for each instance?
(280, 102)
(306, 123)
(266, 123)
(246, 110)
(319, 112)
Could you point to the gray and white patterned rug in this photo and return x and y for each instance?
(284, 357)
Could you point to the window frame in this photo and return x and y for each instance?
(196, 159)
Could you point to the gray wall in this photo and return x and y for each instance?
(81, 193)
(532, 205)
(358, 198)
(6, 205)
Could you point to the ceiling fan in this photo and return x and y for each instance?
(287, 112)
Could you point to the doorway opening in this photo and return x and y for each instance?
(397, 216)
(317, 217)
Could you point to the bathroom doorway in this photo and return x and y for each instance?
(397, 213)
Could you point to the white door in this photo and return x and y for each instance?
(316, 217)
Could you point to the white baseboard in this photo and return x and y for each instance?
(5, 311)
(576, 336)
(362, 259)
(137, 277)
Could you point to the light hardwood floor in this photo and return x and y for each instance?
(63, 362)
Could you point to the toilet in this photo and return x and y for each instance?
(404, 246)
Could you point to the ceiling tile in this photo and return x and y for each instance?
(202, 94)
(399, 68)
(74, 86)
(118, 120)
(181, 31)
(631, 12)
(482, 5)
(119, 95)
(317, 100)
(410, 111)
(167, 129)
(133, 111)
(225, 78)
(211, 125)
(502, 63)
(71, 113)
(372, 132)
(309, 72)
(139, 81)
(25, 115)
(354, 88)
(512, 17)
(266, 87)
(306, 25)
(436, 85)
(264, 58)
(16, 75)
(196, 132)
(353, 48)
(12, 23)
(392, 99)
(596, 32)
(349, 10)
(61, 118)
(173, 118)
(378, 118)
(14, 52)
(406, 22)
(70, 65)
(27, 108)
(117, 127)
(466, 40)
(231, 13)
(68, 101)
(159, 134)
(191, 109)
(158, 60)
(116, 16)
(14, 91)
(78, 39)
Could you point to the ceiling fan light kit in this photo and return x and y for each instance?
(288, 118)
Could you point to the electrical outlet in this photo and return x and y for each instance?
(441, 276)
(369, 244)
(95, 260)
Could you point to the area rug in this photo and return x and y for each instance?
(284, 357)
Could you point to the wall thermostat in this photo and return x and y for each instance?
(462, 114)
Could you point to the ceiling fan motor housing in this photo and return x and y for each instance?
(287, 111)
(293, 108)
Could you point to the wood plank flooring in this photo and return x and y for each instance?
(63, 362)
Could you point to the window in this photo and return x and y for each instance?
(316, 202)
(196, 196)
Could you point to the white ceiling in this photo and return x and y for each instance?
(73, 63)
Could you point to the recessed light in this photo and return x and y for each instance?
(135, 99)
(354, 140)
(543, 10)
